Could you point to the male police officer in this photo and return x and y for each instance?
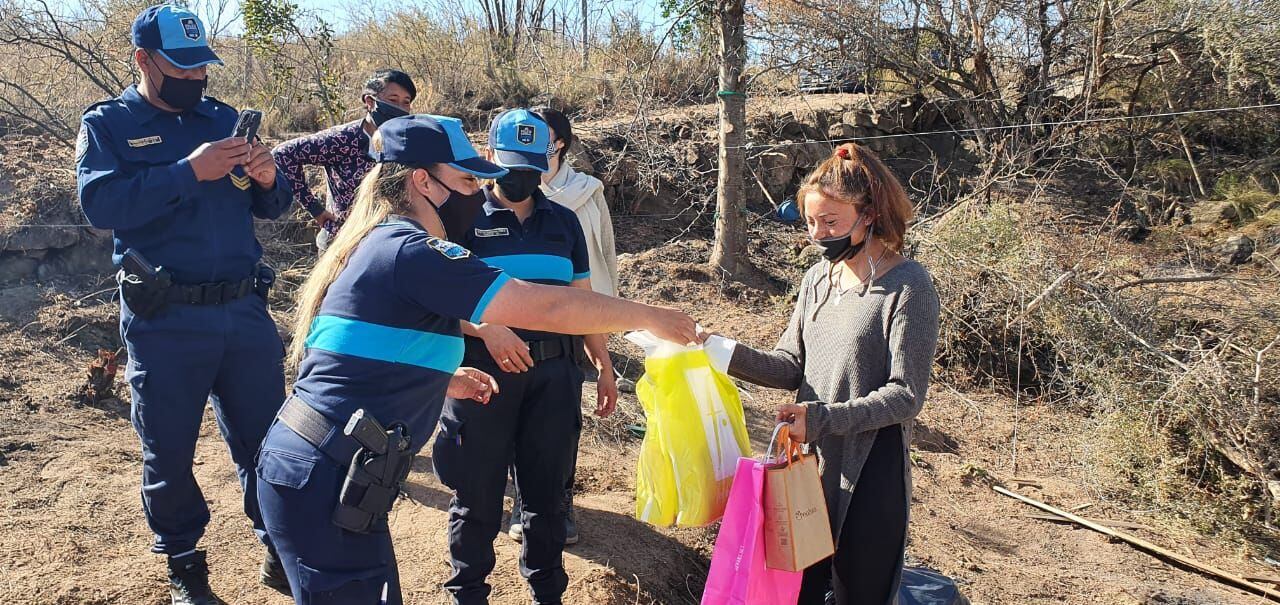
(158, 166)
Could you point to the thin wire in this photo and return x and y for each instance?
(661, 216)
(1014, 126)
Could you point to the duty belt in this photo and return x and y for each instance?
(317, 430)
(539, 350)
(213, 293)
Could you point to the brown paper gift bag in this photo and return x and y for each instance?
(796, 527)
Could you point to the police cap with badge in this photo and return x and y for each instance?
(421, 140)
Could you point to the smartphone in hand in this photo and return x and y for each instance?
(247, 125)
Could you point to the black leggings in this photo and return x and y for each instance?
(869, 547)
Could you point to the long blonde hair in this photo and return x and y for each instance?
(383, 191)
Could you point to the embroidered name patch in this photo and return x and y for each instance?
(496, 232)
(447, 248)
(144, 141)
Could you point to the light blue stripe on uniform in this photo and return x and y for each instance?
(534, 266)
(583, 275)
(357, 338)
(487, 298)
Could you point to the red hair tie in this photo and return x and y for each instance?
(843, 152)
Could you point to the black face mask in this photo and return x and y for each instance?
(519, 185)
(383, 111)
(459, 212)
(180, 93)
(842, 246)
(453, 193)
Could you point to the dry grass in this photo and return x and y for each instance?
(1181, 380)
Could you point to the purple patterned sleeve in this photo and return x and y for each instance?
(320, 149)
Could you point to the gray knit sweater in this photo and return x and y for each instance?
(859, 364)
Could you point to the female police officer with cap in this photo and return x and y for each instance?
(378, 338)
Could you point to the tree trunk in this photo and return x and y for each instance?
(585, 34)
(730, 252)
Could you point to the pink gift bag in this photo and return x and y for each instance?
(738, 575)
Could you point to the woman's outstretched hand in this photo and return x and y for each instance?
(673, 325)
(795, 414)
(470, 383)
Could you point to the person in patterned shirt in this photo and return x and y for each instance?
(343, 151)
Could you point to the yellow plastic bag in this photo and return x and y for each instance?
(695, 434)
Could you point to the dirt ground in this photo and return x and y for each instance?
(72, 531)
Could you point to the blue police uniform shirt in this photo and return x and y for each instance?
(548, 248)
(387, 337)
(133, 178)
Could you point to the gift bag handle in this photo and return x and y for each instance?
(786, 446)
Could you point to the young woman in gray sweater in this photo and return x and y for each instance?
(858, 351)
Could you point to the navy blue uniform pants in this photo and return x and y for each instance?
(534, 422)
(298, 489)
(178, 361)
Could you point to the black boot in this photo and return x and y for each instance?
(189, 581)
(570, 519)
(272, 574)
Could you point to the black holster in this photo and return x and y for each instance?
(146, 295)
(376, 474)
(264, 279)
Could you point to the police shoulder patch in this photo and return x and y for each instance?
(82, 142)
(447, 248)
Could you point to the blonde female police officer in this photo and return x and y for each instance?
(158, 166)
(379, 339)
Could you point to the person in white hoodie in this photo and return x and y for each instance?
(584, 195)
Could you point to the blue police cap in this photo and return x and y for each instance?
(176, 33)
(418, 140)
(520, 139)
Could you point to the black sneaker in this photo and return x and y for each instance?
(272, 574)
(189, 581)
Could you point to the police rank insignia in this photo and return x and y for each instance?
(240, 181)
(525, 133)
(447, 248)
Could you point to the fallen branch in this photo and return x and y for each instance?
(1053, 287)
(1141, 544)
(1107, 522)
(1140, 340)
(1174, 279)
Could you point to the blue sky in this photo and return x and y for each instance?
(340, 12)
